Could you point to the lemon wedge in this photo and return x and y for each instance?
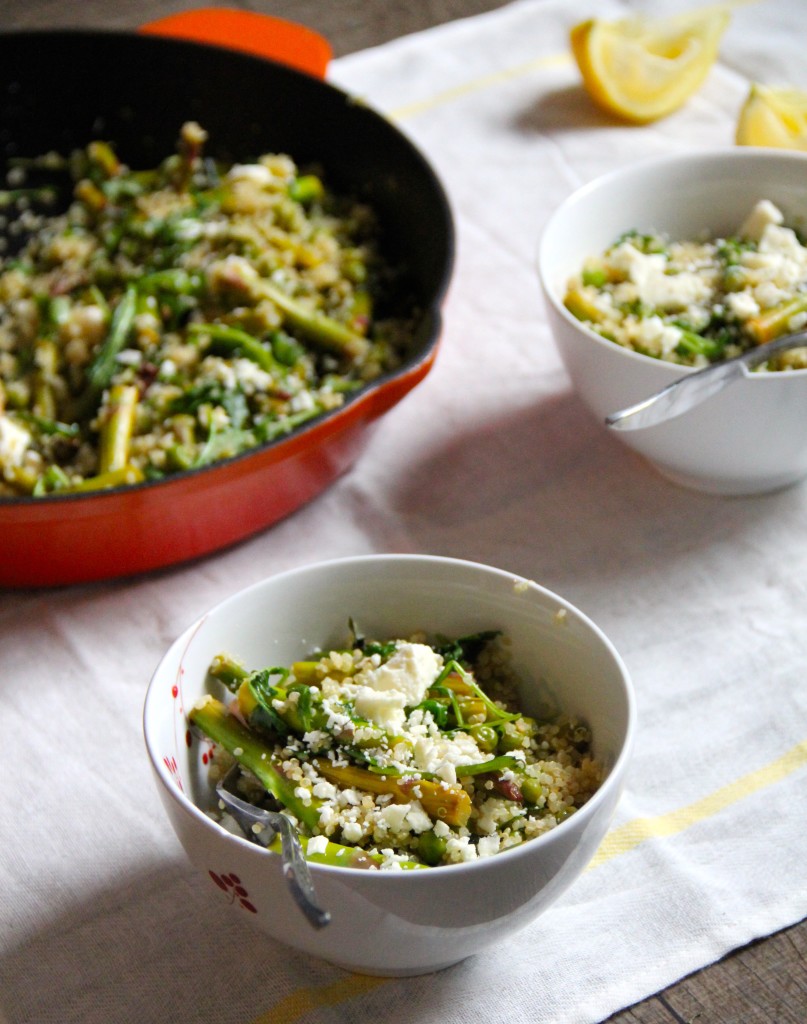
(642, 69)
(773, 117)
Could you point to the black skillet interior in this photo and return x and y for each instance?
(61, 89)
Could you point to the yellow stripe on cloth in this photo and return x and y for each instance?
(621, 840)
(633, 833)
(304, 1000)
(477, 85)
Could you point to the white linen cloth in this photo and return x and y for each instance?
(491, 458)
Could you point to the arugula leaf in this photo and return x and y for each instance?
(261, 688)
(466, 648)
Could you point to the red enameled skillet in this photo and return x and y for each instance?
(60, 89)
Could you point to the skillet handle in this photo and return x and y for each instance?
(259, 34)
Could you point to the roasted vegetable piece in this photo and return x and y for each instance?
(440, 800)
(116, 430)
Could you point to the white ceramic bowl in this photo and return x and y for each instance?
(750, 438)
(405, 922)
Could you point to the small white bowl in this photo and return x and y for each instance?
(393, 922)
(750, 438)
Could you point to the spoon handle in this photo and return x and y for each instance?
(295, 867)
(687, 392)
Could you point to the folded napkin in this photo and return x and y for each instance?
(491, 458)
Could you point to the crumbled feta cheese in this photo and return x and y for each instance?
(417, 819)
(130, 357)
(352, 831)
(317, 844)
(394, 815)
(14, 442)
(763, 214)
(486, 846)
(460, 848)
(327, 816)
(742, 304)
(219, 370)
(431, 753)
(251, 377)
(768, 295)
(385, 708)
(411, 670)
(188, 229)
(256, 173)
(656, 336)
(303, 401)
(661, 290)
(384, 691)
(781, 241)
(317, 739)
(447, 772)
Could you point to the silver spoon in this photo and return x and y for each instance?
(687, 392)
(295, 866)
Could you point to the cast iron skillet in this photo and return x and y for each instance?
(61, 89)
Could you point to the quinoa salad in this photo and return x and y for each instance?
(176, 316)
(697, 302)
(396, 754)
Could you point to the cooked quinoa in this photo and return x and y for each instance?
(697, 302)
(407, 752)
(176, 316)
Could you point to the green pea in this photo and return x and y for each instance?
(485, 737)
(594, 276)
(431, 848)
(531, 789)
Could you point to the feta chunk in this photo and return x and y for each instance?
(317, 844)
(485, 847)
(385, 708)
(352, 831)
(14, 442)
(256, 173)
(384, 691)
(417, 819)
(394, 815)
(432, 754)
(763, 214)
(743, 305)
(655, 287)
(410, 671)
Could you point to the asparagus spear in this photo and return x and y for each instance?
(580, 306)
(320, 329)
(773, 322)
(234, 339)
(440, 800)
(116, 431)
(113, 478)
(102, 367)
(215, 721)
(343, 856)
(317, 327)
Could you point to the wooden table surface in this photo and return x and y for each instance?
(763, 983)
